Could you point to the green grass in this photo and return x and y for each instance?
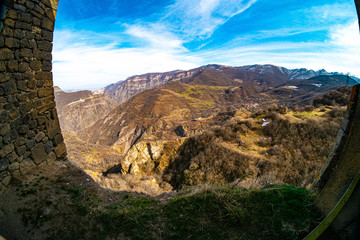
(200, 212)
(281, 212)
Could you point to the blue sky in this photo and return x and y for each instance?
(101, 42)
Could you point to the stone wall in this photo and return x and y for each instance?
(30, 134)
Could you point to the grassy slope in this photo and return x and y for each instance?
(65, 207)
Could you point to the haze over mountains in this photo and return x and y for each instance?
(264, 75)
(138, 127)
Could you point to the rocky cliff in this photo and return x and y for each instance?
(79, 110)
(264, 75)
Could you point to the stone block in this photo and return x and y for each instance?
(8, 148)
(32, 44)
(17, 175)
(58, 139)
(35, 65)
(13, 66)
(28, 75)
(21, 150)
(4, 164)
(10, 136)
(23, 67)
(26, 53)
(5, 77)
(31, 84)
(51, 157)
(38, 54)
(22, 129)
(12, 157)
(47, 35)
(25, 17)
(38, 153)
(33, 124)
(21, 85)
(29, 5)
(17, 76)
(26, 165)
(27, 154)
(45, 92)
(31, 143)
(40, 136)
(9, 87)
(48, 83)
(35, 14)
(12, 43)
(53, 128)
(4, 129)
(47, 56)
(60, 150)
(2, 67)
(36, 21)
(6, 54)
(41, 120)
(11, 14)
(25, 43)
(40, 83)
(38, 9)
(19, 34)
(43, 76)
(6, 181)
(47, 66)
(4, 116)
(45, 46)
(14, 166)
(3, 174)
(20, 7)
(15, 113)
(23, 25)
(19, 141)
(9, 22)
(47, 24)
(25, 107)
(7, 31)
(46, 107)
(49, 147)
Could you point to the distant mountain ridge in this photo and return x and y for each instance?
(265, 75)
(79, 110)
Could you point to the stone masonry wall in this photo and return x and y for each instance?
(30, 134)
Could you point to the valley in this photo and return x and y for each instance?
(252, 125)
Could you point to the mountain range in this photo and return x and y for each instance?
(128, 135)
(264, 75)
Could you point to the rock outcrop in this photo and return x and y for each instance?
(264, 75)
(80, 110)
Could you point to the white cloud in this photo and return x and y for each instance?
(340, 53)
(200, 18)
(80, 65)
(329, 12)
(155, 36)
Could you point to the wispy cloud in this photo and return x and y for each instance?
(341, 52)
(155, 36)
(79, 64)
(318, 37)
(329, 12)
(199, 19)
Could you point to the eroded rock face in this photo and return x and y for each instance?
(140, 169)
(264, 75)
(123, 91)
(80, 110)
